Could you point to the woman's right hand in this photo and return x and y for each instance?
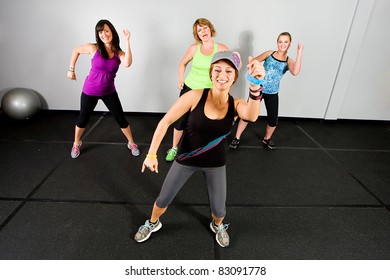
(71, 75)
(180, 85)
(151, 164)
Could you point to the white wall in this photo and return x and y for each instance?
(362, 88)
(344, 40)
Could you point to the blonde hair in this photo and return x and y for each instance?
(204, 22)
(284, 34)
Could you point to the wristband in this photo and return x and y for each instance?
(255, 91)
(255, 97)
(151, 156)
(253, 80)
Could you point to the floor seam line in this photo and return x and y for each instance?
(28, 197)
(342, 166)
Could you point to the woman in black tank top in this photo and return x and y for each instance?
(212, 113)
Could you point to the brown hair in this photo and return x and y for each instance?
(115, 38)
(237, 73)
(202, 21)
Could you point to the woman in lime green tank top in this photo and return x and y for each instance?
(200, 54)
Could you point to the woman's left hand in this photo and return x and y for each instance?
(300, 47)
(126, 33)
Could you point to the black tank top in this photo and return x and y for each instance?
(203, 142)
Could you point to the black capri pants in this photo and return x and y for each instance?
(112, 102)
(271, 102)
(180, 124)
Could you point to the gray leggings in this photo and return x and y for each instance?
(178, 175)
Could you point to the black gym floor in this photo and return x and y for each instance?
(323, 194)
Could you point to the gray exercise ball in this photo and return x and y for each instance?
(20, 103)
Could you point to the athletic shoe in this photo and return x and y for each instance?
(76, 150)
(146, 230)
(221, 234)
(171, 154)
(235, 143)
(133, 148)
(268, 143)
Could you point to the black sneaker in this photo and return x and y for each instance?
(268, 143)
(235, 143)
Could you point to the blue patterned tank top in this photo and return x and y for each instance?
(274, 71)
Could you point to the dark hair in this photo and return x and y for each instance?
(115, 38)
(237, 73)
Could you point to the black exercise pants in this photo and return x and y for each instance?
(112, 102)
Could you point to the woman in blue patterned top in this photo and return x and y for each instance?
(276, 63)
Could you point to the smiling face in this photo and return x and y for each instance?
(105, 35)
(222, 74)
(283, 43)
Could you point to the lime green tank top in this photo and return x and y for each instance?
(198, 77)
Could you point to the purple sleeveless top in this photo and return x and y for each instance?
(100, 80)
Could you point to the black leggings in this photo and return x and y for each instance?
(271, 102)
(112, 102)
(180, 124)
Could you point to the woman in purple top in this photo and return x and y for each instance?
(106, 56)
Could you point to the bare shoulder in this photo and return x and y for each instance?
(194, 94)
(268, 53)
(189, 54)
(192, 48)
(222, 47)
(290, 60)
(121, 53)
(264, 55)
(188, 100)
(92, 47)
(88, 48)
(290, 63)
